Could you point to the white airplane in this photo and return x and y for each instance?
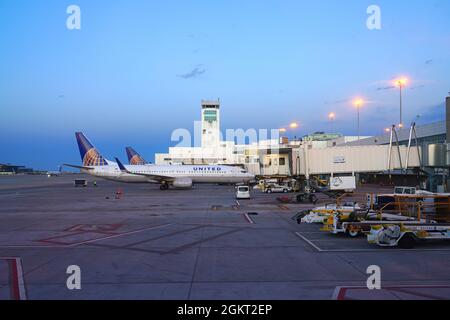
(178, 176)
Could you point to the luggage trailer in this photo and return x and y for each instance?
(405, 208)
(404, 234)
(431, 223)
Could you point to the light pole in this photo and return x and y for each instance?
(331, 117)
(293, 126)
(358, 104)
(401, 83)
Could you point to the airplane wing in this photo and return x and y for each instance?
(77, 167)
(156, 177)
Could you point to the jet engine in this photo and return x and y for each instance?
(182, 183)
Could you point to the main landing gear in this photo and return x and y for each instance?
(164, 186)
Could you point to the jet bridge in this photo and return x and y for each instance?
(360, 159)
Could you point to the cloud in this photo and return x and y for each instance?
(197, 71)
(417, 87)
(385, 88)
(337, 101)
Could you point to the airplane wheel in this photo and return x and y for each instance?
(353, 233)
(407, 242)
(162, 187)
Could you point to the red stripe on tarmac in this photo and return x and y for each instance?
(342, 293)
(15, 291)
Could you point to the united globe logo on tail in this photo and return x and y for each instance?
(89, 155)
(134, 158)
(93, 158)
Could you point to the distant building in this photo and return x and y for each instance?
(426, 134)
(343, 140)
(13, 169)
(321, 136)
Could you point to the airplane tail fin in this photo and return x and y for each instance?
(89, 155)
(134, 158)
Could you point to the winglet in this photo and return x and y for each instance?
(121, 166)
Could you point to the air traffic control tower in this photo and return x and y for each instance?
(447, 115)
(210, 124)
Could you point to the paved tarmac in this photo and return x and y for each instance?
(190, 244)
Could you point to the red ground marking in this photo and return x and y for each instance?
(16, 281)
(341, 292)
(65, 243)
(94, 227)
(15, 294)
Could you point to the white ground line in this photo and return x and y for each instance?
(309, 242)
(21, 282)
(237, 203)
(248, 218)
(313, 232)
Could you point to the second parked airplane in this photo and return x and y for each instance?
(134, 158)
(178, 176)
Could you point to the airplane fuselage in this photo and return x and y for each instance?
(196, 173)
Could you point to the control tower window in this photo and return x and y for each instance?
(210, 115)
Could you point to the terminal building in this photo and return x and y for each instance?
(422, 157)
(257, 156)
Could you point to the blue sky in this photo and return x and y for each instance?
(138, 70)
